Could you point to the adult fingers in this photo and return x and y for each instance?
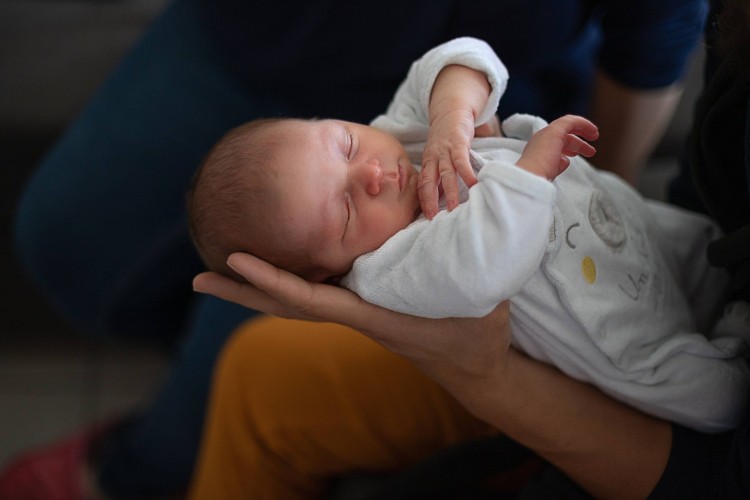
(316, 301)
(244, 294)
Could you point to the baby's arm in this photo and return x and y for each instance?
(464, 73)
(547, 152)
(458, 96)
(464, 262)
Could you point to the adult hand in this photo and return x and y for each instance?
(451, 350)
(565, 421)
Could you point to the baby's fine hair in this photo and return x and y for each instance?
(232, 198)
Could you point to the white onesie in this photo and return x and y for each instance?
(612, 289)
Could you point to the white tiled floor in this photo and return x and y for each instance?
(50, 386)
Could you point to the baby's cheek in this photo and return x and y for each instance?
(384, 226)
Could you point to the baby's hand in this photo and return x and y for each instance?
(547, 152)
(445, 156)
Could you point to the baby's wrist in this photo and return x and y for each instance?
(533, 167)
(451, 113)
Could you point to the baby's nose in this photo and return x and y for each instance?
(372, 174)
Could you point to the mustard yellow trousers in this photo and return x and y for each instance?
(297, 404)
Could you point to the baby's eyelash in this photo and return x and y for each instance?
(350, 152)
(348, 216)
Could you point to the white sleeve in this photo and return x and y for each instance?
(464, 262)
(407, 115)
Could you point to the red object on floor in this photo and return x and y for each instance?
(52, 472)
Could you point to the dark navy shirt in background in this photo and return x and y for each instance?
(344, 59)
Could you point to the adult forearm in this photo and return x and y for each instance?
(610, 449)
(631, 123)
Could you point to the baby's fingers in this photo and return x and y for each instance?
(449, 181)
(574, 145)
(458, 165)
(462, 165)
(427, 188)
(563, 164)
(578, 125)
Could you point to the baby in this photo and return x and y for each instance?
(610, 288)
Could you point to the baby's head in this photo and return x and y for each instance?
(309, 196)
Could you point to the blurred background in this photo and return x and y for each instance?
(53, 55)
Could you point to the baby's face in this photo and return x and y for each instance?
(345, 189)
